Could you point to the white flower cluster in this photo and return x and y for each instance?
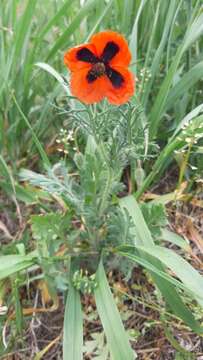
(65, 140)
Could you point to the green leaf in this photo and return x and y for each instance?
(10, 264)
(185, 83)
(173, 238)
(187, 119)
(4, 170)
(18, 307)
(61, 12)
(127, 9)
(192, 34)
(160, 50)
(181, 268)
(73, 326)
(155, 217)
(167, 289)
(98, 21)
(134, 34)
(24, 24)
(117, 338)
(46, 229)
(35, 139)
(165, 284)
(54, 73)
(62, 40)
(141, 232)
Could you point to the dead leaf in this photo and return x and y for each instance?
(194, 235)
(5, 230)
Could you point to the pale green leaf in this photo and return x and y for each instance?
(117, 338)
(73, 327)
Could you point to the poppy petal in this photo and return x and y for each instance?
(113, 47)
(120, 95)
(88, 92)
(80, 57)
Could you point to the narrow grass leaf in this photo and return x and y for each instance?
(117, 338)
(63, 39)
(126, 18)
(54, 73)
(192, 34)
(142, 233)
(188, 80)
(166, 285)
(100, 19)
(54, 20)
(190, 116)
(7, 174)
(156, 267)
(190, 277)
(160, 51)
(23, 27)
(173, 238)
(73, 326)
(133, 37)
(10, 264)
(35, 139)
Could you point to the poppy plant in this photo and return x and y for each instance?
(99, 69)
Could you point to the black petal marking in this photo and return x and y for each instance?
(110, 50)
(86, 55)
(115, 77)
(91, 76)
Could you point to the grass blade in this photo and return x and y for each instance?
(159, 104)
(10, 264)
(127, 9)
(173, 238)
(36, 141)
(183, 270)
(159, 52)
(62, 11)
(24, 25)
(186, 120)
(54, 73)
(100, 19)
(167, 289)
(187, 81)
(142, 233)
(89, 5)
(133, 41)
(117, 338)
(73, 326)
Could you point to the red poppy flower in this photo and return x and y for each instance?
(99, 69)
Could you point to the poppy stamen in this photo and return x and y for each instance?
(96, 71)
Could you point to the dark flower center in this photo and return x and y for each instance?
(100, 66)
(99, 69)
